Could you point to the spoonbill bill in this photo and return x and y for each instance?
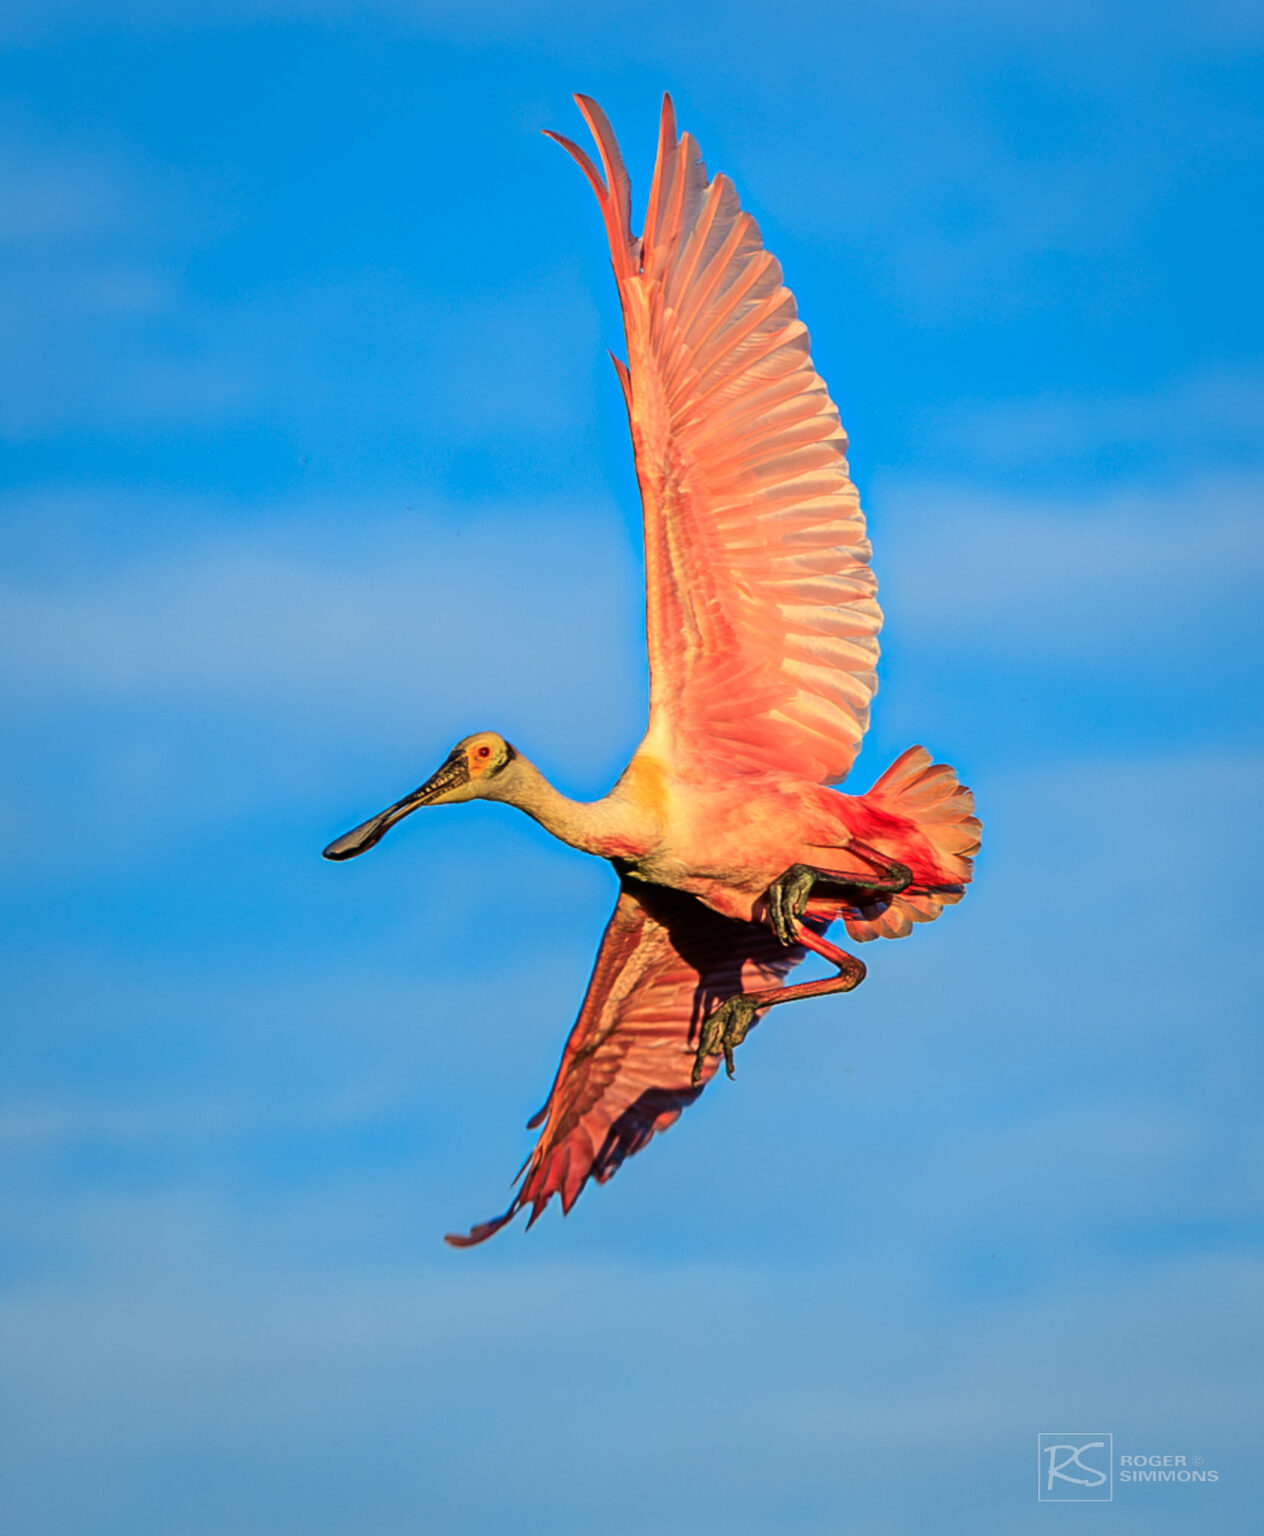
(734, 854)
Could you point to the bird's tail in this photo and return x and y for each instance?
(941, 809)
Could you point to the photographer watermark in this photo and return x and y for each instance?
(1076, 1467)
(1168, 1467)
(1083, 1468)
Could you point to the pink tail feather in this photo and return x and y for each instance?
(941, 809)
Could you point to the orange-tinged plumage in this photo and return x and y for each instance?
(762, 623)
(761, 614)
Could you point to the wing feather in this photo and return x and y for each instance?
(664, 963)
(762, 617)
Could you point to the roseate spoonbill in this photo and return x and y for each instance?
(732, 853)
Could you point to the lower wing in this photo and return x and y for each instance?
(665, 963)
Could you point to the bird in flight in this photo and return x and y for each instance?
(734, 853)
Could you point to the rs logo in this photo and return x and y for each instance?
(1075, 1466)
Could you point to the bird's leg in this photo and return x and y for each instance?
(788, 895)
(727, 1027)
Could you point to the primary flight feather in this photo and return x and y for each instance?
(733, 854)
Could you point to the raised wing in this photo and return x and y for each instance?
(665, 962)
(761, 615)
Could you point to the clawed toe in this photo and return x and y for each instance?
(787, 901)
(723, 1032)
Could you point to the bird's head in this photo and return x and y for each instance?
(471, 771)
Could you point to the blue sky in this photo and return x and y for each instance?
(311, 461)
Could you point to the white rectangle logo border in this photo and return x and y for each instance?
(1075, 1443)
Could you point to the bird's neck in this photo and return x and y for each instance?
(614, 827)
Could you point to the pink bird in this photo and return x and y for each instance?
(733, 854)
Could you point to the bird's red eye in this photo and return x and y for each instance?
(484, 751)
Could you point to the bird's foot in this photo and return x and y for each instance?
(723, 1032)
(788, 900)
(788, 895)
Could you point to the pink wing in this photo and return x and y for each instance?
(664, 964)
(762, 619)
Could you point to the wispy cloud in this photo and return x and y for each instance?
(108, 324)
(355, 1389)
(355, 608)
(1135, 575)
(54, 192)
(403, 609)
(1212, 415)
